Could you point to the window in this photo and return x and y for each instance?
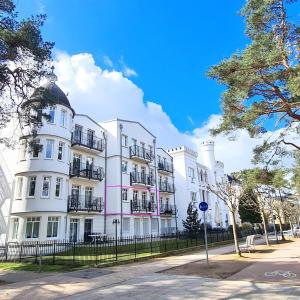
(58, 188)
(124, 140)
(124, 194)
(124, 166)
(31, 186)
(19, 187)
(52, 227)
(52, 114)
(23, 150)
(46, 186)
(134, 142)
(152, 198)
(60, 153)
(49, 149)
(203, 195)
(135, 195)
(32, 227)
(154, 225)
(39, 115)
(205, 177)
(191, 173)
(193, 197)
(126, 224)
(15, 228)
(36, 149)
(63, 118)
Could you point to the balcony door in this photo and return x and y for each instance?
(88, 229)
(145, 226)
(88, 196)
(76, 163)
(137, 231)
(90, 138)
(143, 174)
(75, 192)
(78, 134)
(144, 200)
(74, 230)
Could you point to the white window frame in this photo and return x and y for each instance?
(31, 179)
(124, 166)
(33, 156)
(126, 224)
(19, 190)
(52, 109)
(33, 220)
(124, 140)
(49, 142)
(63, 118)
(23, 151)
(46, 179)
(60, 180)
(14, 228)
(51, 222)
(124, 194)
(61, 151)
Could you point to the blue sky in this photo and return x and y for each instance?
(170, 45)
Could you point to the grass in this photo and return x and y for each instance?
(37, 268)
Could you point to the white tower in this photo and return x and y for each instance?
(40, 202)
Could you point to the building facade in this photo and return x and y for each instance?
(86, 176)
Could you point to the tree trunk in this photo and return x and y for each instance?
(265, 227)
(281, 231)
(292, 228)
(235, 237)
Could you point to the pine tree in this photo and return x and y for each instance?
(192, 222)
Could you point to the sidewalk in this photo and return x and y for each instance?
(141, 281)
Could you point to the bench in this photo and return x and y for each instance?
(249, 245)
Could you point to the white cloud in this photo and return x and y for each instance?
(108, 62)
(104, 95)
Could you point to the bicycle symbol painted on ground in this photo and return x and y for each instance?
(285, 274)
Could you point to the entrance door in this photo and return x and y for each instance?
(73, 230)
(146, 227)
(88, 225)
(137, 227)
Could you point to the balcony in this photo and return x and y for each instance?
(167, 209)
(142, 179)
(142, 206)
(85, 203)
(165, 187)
(87, 140)
(164, 167)
(88, 171)
(140, 154)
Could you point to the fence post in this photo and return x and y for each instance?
(53, 260)
(116, 246)
(135, 246)
(20, 254)
(74, 245)
(36, 252)
(151, 243)
(177, 236)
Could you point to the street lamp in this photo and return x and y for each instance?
(116, 222)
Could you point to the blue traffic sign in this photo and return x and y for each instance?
(203, 206)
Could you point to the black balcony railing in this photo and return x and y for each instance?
(85, 203)
(165, 167)
(86, 170)
(165, 187)
(138, 205)
(140, 152)
(141, 178)
(167, 209)
(87, 140)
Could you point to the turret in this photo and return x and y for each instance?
(208, 154)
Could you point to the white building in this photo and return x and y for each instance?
(191, 180)
(90, 174)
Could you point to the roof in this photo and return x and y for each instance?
(51, 92)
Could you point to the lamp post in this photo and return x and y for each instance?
(116, 222)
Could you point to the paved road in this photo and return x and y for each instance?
(141, 281)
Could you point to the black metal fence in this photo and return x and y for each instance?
(107, 250)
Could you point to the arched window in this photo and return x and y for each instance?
(205, 177)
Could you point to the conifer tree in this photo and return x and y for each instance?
(192, 222)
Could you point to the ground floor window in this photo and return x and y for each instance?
(33, 227)
(154, 225)
(126, 224)
(15, 228)
(74, 225)
(52, 227)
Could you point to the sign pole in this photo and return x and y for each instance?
(205, 236)
(203, 206)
